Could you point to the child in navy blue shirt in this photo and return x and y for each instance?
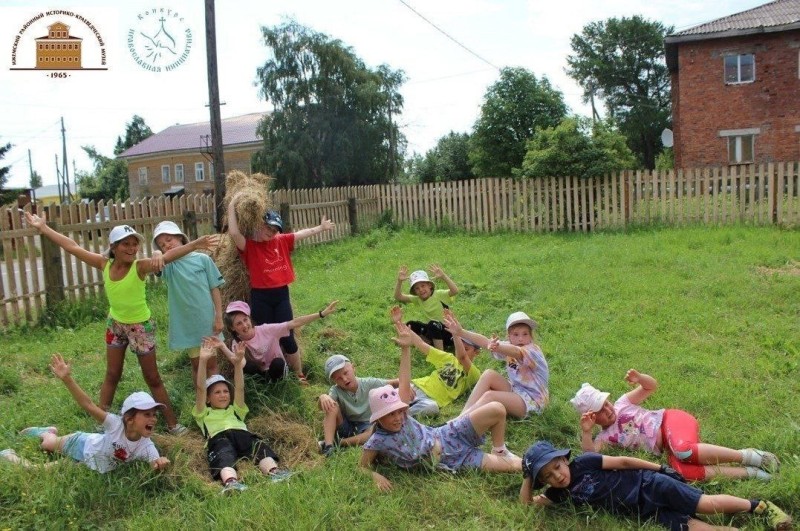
(630, 486)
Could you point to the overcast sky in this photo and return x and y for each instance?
(444, 90)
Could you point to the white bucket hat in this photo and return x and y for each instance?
(416, 277)
(588, 399)
(119, 233)
(168, 227)
(519, 318)
(139, 400)
(216, 378)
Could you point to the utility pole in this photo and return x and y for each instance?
(65, 170)
(216, 122)
(58, 182)
(30, 168)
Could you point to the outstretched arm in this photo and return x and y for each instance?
(438, 272)
(368, 457)
(324, 225)
(628, 463)
(238, 374)
(208, 242)
(404, 340)
(95, 260)
(461, 353)
(454, 327)
(233, 224)
(645, 386)
(402, 275)
(63, 372)
(396, 314)
(297, 322)
(207, 350)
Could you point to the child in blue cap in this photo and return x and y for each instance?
(631, 487)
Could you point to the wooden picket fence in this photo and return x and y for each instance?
(755, 195)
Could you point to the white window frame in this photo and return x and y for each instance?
(735, 139)
(179, 173)
(199, 171)
(165, 173)
(143, 175)
(739, 80)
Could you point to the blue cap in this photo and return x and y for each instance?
(537, 456)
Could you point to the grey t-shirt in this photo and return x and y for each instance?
(355, 406)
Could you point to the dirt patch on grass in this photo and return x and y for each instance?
(792, 269)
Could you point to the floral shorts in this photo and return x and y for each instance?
(140, 337)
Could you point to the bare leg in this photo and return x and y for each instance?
(513, 403)
(329, 424)
(267, 465)
(737, 472)
(295, 361)
(115, 361)
(490, 417)
(710, 454)
(489, 381)
(722, 504)
(699, 525)
(226, 473)
(147, 362)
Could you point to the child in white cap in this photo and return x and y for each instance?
(526, 389)
(129, 323)
(631, 487)
(626, 424)
(193, 295)
(264, 354)
(408, 444)
(346, 405)
(453, 376)
(221, 419)
(431, 302)
(126, 437)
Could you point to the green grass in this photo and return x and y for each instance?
(712, 313)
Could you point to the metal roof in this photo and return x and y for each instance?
(195, 137)
(779, 15)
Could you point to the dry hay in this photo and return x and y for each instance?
(792, 268)
(292, 440)
(253, 202)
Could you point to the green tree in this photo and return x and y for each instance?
(621, 61)
(515, 107)
(135, 131)
(448, 161)
(4, 169)
(108, 179)
(36, 180)
(333, 121)
(575, 148)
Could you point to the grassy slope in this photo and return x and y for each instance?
(689, 306)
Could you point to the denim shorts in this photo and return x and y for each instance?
(72, 445)
(351, 428)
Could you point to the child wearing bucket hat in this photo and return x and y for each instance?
(453, 375)
(626, 424)
(264, 355)
(526, 388)
(409, 444)
(267, 255)
(125, 437)
(430, 301)
(129, 323)
(346, 405)
(219, 411)
(193, 295)
(631, 487)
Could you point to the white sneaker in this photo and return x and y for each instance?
(178, 430)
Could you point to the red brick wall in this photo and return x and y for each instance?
(703, 104)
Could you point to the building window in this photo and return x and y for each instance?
(740, 68)
(143, 175)
(165, 174)
(179, 173)
(199, 171)
(740, 149)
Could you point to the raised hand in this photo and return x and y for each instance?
(588, 421)
(239, 360)
(326, 224)
(404, 337)
(402, 274)
(436, 271)
(396, 314)
(35, 221)
(208, 348)
(329, 309)
(209, 242)
(632, 376)
(494, 343)
(59, 367)
(451, 324)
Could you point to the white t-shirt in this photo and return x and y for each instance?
(105, 451)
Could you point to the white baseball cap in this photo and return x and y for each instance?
(119, 233)
(139, 400)
(588, 399)
(168, 227)
(334, 363)
(520, 318)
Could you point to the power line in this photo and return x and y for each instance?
(443, 32)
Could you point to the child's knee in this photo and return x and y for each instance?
(685, 452)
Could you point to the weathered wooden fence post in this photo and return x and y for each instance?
(352, 213)
(51, 262)
(190, 224)
(287, 223)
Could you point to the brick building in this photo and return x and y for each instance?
(736, 88)
(58, 50)
(178, 159)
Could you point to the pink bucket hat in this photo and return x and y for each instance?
(588, 399)
(238, 306)
(384, 400)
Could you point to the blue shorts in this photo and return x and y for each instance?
(670, 502)
(351, 428)
(460, 445)
(72, 445)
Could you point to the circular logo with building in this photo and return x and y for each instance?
(160, 39)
